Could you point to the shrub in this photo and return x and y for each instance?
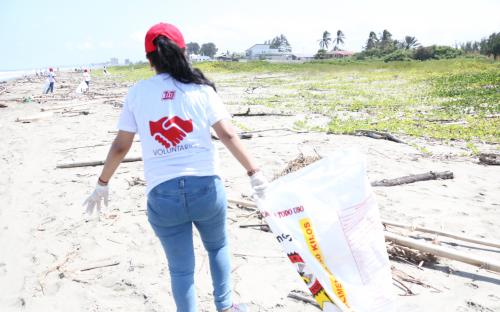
(436, 52)
(423, 53)
(398, 55)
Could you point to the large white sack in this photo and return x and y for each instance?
(82, 87)
(327, 220)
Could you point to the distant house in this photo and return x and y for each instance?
(265, 52)
(338, 54)
(199, 58)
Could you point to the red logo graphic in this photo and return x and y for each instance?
(170, 131)
(168, 95)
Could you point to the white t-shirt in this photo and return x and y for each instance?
(86, 76)
(173, 120)
(51, 76)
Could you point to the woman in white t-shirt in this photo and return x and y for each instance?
(173, 112)
(86, 77)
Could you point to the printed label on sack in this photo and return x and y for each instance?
(313, 245)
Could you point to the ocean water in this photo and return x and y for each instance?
(12, 74)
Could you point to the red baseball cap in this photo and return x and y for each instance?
(163, 29)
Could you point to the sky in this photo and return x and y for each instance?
(42, 33)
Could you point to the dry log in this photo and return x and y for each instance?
(243, 136)
(303, 298)
(378, 135)
(64, 107)
(100, 266)
(33, 118)
(443, 252)
(94, 163)
(489, 159)
(414, 178)
(248, 114)
(446, 234)
(244, 203)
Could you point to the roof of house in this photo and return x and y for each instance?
(259, 45)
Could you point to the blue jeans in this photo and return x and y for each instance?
(173, 207)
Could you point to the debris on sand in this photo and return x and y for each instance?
(295, 164)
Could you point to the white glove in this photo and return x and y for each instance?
(101, 192)
(259, 184)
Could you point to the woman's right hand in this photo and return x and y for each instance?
(100, 193)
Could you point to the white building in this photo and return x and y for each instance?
(199, 58)
(264, 51)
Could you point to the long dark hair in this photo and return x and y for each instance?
(170, 59)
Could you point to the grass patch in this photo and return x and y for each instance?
(456, 99)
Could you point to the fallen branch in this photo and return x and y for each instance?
(248, 114)
(101, 266)
(244, 203)
(446, 234)
(64, 107)
(415, 178)
(443, 252)
(94, 163)
(302, 298)
(243, 136)
(489, 159)
(378, 135)
(262, 227)
(33, 118)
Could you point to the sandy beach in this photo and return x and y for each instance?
(53, 258)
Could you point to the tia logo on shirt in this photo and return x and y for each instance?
(170, 131)
(168, 95)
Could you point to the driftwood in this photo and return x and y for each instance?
(446, 234)
(243, 136)
(2, 89)
(64, 107)
(408, 255)
(444, 252)
(248, 114)
(3, 105)
(94, 163)
(100, 266)
(489, 159)
(33, 118)
(262, 227)
(415, 178)
(297, 296)
(378, 135)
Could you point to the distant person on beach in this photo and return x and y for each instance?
(86, 77)
(51, 79)
(173, 113)
(105, 70)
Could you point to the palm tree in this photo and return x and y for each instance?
(339, 39)
(325, 41)
(372, 40)
(410, 42)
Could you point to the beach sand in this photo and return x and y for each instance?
(49, 250)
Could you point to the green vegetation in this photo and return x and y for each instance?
(448, 99)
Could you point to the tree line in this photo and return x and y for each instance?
(207, 49)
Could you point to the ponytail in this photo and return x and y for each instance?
(170, 59)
